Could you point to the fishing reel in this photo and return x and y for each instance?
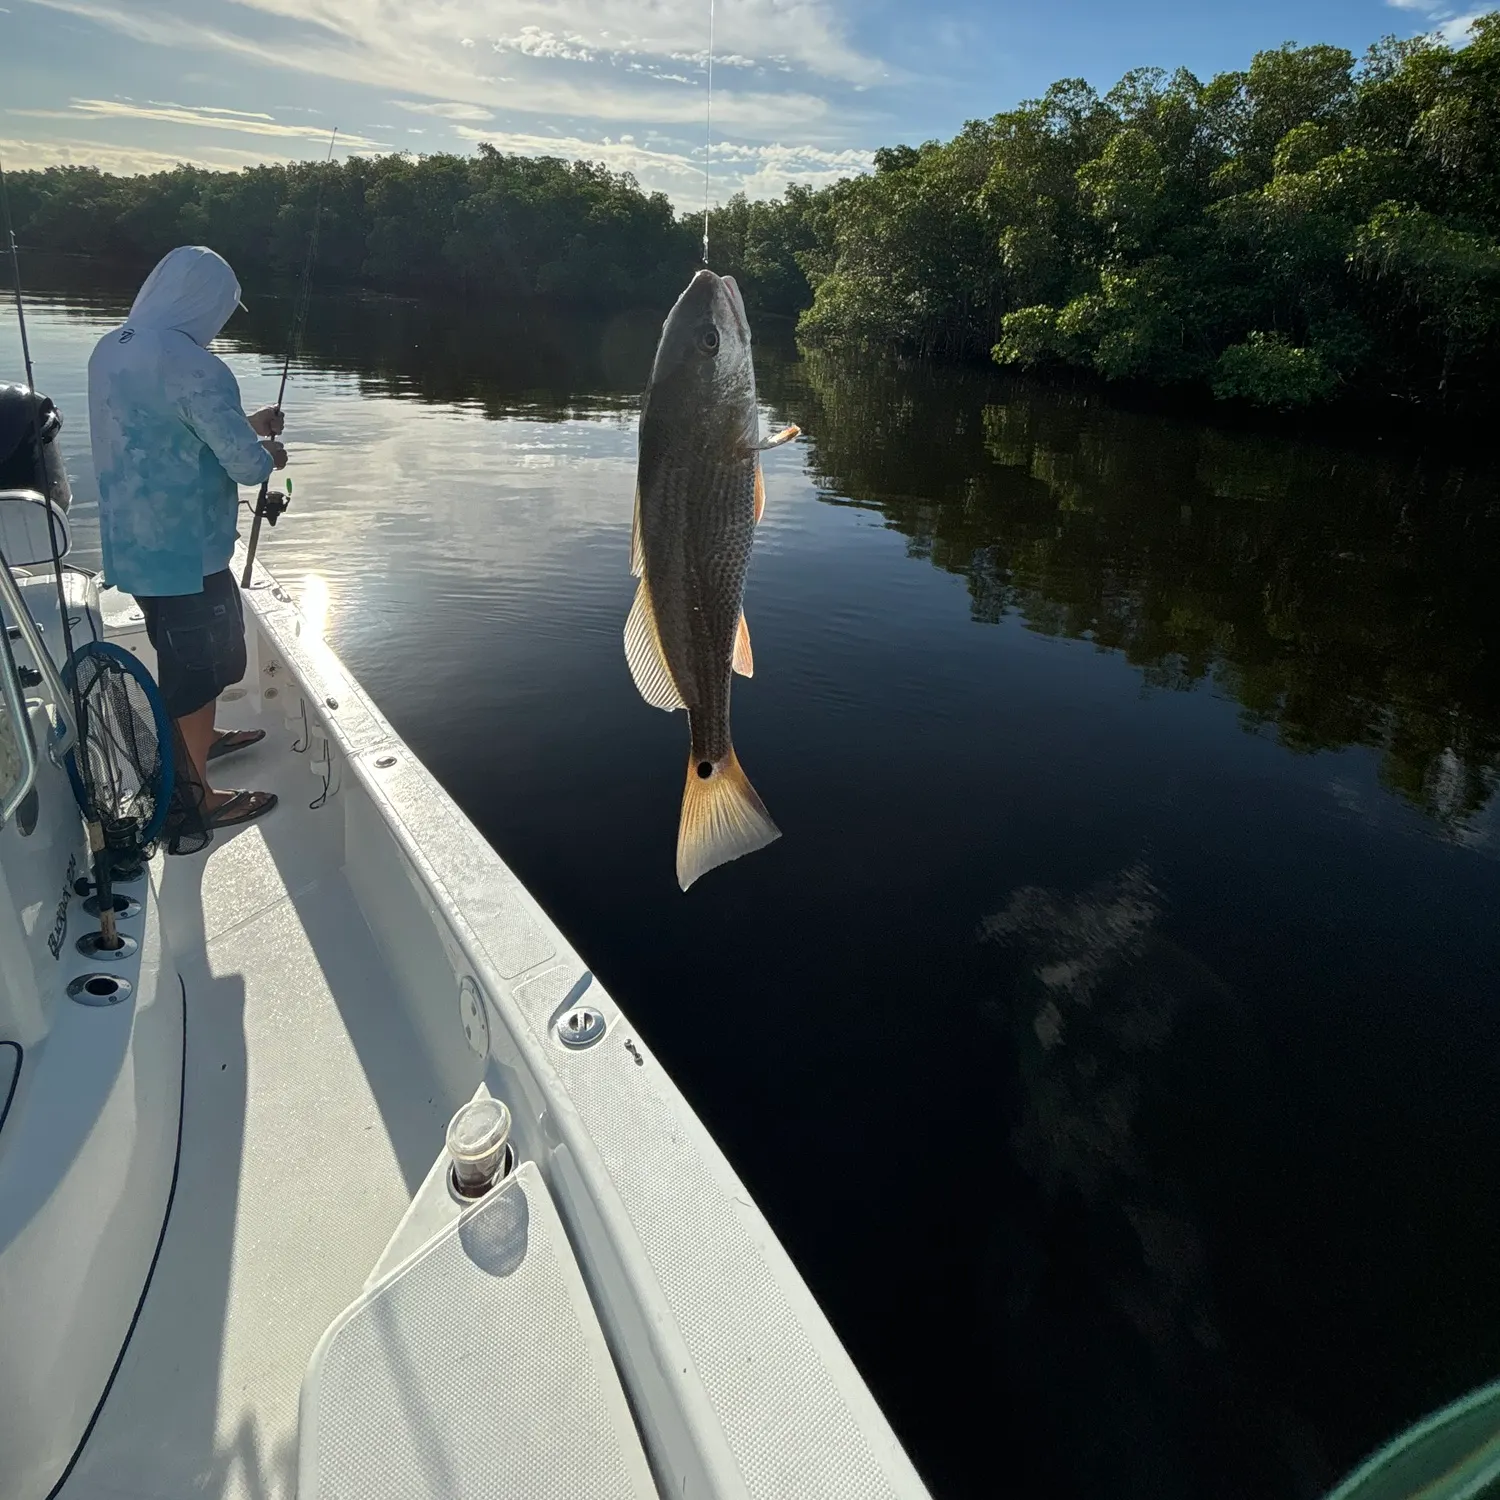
(275, 504)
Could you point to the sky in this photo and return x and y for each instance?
(803, 90)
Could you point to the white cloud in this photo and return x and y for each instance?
(423, 45)
(761, 171)
(1447, 27)
(200, 117)
(775, 166)
(1455, 30)
(653, 168)
(532, 41)
(445, 109)
(721, 59)
(109, 156)
(583, 69)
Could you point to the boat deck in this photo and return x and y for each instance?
(309, 1119)
(354, 970)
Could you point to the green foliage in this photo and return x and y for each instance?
(493, 226)
(1308, 227)
(1271, 371)
(1311, 226)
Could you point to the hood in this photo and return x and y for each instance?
(192, 290)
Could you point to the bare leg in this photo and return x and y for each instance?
(197, 733)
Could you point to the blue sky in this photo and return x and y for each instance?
(803, 89)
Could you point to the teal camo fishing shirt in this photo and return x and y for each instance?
(170, 438)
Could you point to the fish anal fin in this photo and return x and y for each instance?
(637, 547)
(648, 663)
(744, 661)
(722, 819)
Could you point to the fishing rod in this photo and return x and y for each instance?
(101, 840)
(270, 504)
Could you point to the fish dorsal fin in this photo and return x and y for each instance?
(648, 663)
(744, 662)
(760, 493)
(637, 547)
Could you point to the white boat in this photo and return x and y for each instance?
(233, 1262)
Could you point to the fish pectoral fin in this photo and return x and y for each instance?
(744, 662)
(760, 493)
(637, 547)
(648, 663)
(784, 436)
(722, 819)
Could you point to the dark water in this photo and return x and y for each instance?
(1114, 1036)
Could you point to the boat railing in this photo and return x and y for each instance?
(20, 617)
(13, 698)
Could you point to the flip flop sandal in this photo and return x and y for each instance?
(242, 807)
(235, 739)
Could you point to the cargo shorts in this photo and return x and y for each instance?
(199, 640)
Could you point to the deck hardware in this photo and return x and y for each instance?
(99, 989)
(332, 702)
(91, 946)
(581, 1027)
(476, 1141)
(304, 739)
(270, 692)
(471, 1016)
(385, 762)
(126, 907)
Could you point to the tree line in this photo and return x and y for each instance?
(490, 228)
(1314, 226)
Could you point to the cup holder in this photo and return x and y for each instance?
(125, 906)
(91, 945)
(99, 989)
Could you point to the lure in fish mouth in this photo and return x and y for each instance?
(698, 497)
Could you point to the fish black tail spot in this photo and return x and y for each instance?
(722, 818)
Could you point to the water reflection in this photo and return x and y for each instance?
(1204, 1208)
(1124, 1042)
(501, 363)
(1342, 597)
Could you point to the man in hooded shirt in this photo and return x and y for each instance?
(172, 443)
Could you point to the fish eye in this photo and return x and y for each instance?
(708, 340)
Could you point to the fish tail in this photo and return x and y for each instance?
(722, 818)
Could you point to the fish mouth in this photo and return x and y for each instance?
(737, 304)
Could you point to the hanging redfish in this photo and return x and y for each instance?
(698, 497)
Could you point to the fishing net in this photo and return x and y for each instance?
(186, 830)
(121, 767)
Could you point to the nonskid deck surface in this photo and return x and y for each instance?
(309, 1119)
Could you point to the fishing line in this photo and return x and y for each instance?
(708, 127)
